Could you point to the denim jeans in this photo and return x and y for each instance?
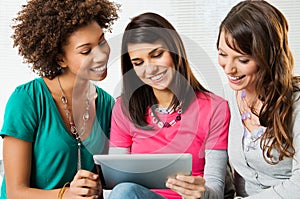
(129, 190)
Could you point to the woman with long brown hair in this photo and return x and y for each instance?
(164, 109)
(264, 136)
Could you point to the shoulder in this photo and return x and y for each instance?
(30, 86)
(211, 99)
(32, 89)
(103, 96)
(118, 104)
(103, 93)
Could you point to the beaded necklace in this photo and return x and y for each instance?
(74, 130)
(246, 112)
(159, 123)
(250, 138)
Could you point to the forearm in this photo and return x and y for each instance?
(31, 193)
(214, 173)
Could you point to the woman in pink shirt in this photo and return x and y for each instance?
(164, 109)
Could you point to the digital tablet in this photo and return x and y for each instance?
(149, 170)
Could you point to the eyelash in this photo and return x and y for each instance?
(158, 55)
(240, 60)
(137, 63)
(86, 52)
(244, 61)
(221, 54)
(153, 56)
(102, 43)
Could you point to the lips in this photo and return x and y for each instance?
(235, 78)
(99, 69)
(158, 76)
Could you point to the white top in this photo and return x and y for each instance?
(253, 175)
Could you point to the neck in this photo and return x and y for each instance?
(250, 95)
(247, 101)
(72, 87)
(164, 97)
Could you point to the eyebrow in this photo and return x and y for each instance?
(101, 37)
(151, 52)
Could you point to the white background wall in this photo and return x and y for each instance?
(196, 20)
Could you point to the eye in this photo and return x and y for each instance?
(86, 52)
(158, 54)
(102, 43)
(244, 61)
(221, 54)
(137, 63)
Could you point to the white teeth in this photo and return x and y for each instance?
(235, 78)
(157, 77)
(99, 69)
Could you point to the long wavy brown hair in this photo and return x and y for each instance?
(43, 26)
(260, 30)
(137, 96)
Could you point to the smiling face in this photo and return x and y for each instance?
(241, 69)
(86, 53)
(152, 63)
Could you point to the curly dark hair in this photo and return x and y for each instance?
(43, 26)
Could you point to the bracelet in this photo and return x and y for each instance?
(62, 190)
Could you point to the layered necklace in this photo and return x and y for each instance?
(77, 133)
(159, 123)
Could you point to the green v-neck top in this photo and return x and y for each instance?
(31, 115)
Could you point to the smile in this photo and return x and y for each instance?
(158, 77)
(235, 78)
(99, 69)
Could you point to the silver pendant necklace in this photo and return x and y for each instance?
(73, 129)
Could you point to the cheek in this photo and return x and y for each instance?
(251, 69)
(221, 61)
(167, 61)
(107, 49)
(138, 71)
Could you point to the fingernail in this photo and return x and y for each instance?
(179, 177)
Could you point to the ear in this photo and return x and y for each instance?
(61, 61)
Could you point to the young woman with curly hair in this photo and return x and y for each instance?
(55, 123)
(264, 135)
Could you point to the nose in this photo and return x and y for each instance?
(101, 53)
(229, 67)
(150, 67)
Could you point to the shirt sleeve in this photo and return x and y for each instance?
(20, 117)
(218, 128)
(120, 128)
(214, 173)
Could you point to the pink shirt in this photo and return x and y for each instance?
(203, 126)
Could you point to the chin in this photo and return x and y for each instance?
(235, 87)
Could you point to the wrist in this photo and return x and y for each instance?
(62, 190)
